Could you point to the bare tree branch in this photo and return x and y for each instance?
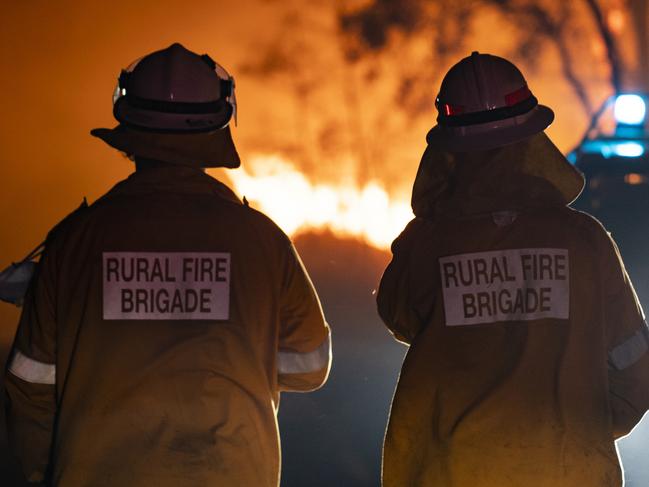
(543, 25)
(611, 50)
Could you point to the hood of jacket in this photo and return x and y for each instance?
(531, 173)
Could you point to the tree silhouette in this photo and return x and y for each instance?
(540, 24)
(358, 78)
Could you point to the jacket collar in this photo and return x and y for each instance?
(529, 174)
(174, 178)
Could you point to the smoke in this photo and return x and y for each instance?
(372, 24)
(351, 85)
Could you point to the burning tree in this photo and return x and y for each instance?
(570, 28)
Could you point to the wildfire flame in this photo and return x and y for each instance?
(277, 188)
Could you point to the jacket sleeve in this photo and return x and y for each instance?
(30, 376)
(304, 355)
(395, 297)
(627, 339)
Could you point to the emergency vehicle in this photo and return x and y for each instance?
(614, 157)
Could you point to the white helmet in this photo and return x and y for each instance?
(484, 103)
(175, 91)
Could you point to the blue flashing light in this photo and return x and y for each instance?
(630, 110)
(608, 148)
(628, 149)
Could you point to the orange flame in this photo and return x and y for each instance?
(296, 204)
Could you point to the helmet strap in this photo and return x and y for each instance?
(475, 118)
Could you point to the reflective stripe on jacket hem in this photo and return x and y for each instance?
(302, 363)
(31, 370)
(630, 351)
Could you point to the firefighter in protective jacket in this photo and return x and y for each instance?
(528, 346)
(165, 319)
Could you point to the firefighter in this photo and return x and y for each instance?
(527, 344)
(164, 320)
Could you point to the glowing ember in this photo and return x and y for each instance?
(278, 189)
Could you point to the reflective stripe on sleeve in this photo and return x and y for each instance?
(31, 370)
(302, 363)
(630, 351)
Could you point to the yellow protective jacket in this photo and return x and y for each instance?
(528, 347)
(162, 325)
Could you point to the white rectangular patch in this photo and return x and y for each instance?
(505, 285)
(166, 285)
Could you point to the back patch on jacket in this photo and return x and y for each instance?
(505, 285)
(166, 285)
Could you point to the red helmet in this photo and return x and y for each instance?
(176, 91)
(484, 102)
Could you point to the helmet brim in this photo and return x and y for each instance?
(451, 139)
(213, 149)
